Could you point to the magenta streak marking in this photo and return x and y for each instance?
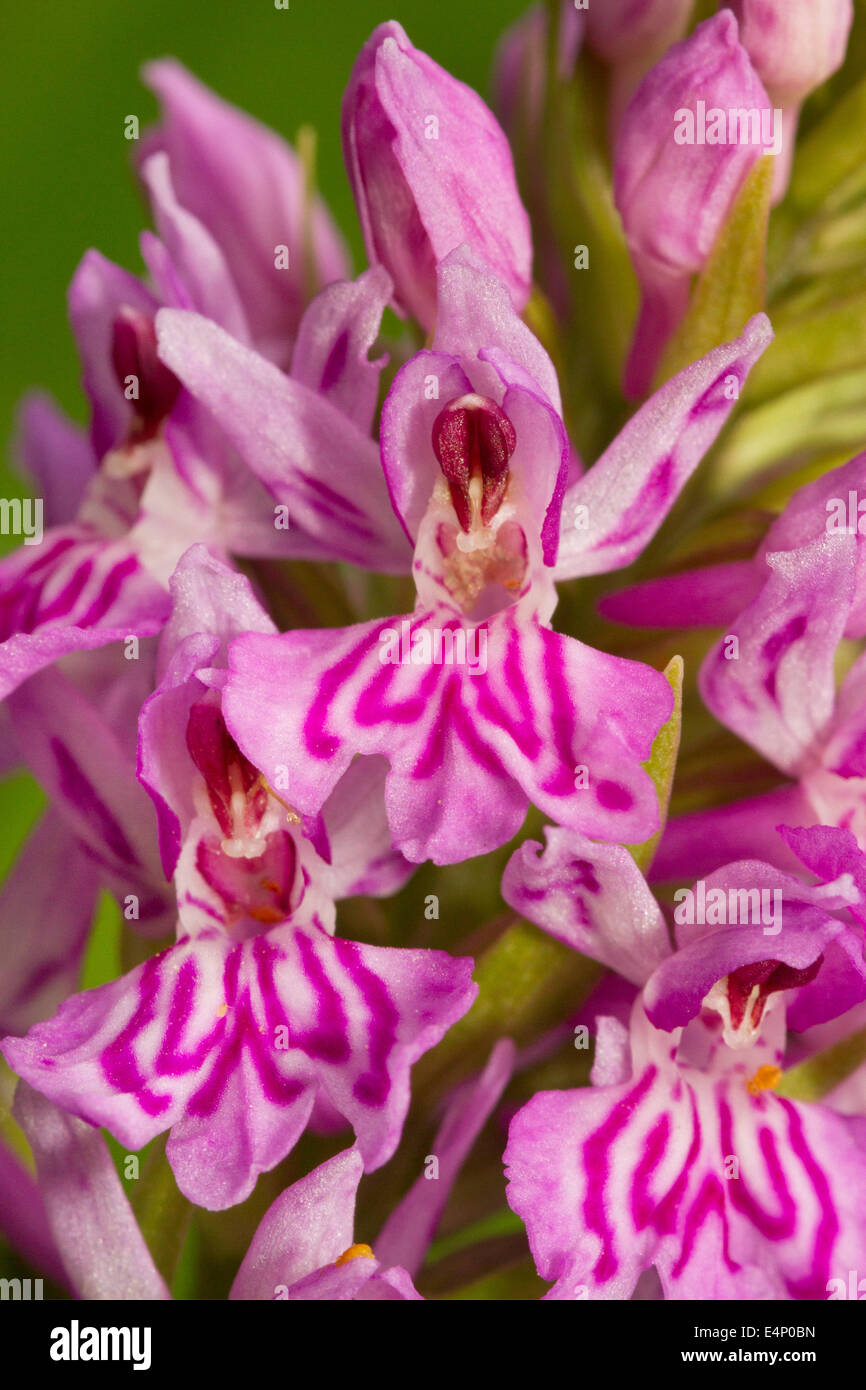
(647, 509)
(772, 1227)
(328, 1040)
(775, 648)
(170, 1060)
(710, 1198)
(336, 363)
(372, 708)
(109, 593)
(324, 508)
(668, 1209)
(520, 726)
(373, 1086)
(337, 498)
(562, 724)
(80, 792)
(64, 602)
(118, 1060)
(596, 1168)
(814, 1286)
(317, 740)
(712, 399)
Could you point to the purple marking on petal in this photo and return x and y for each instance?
(774, 1226)
(372, 1086)
(775, 647)
(815, 1286)
(112, 585)
(328, 1041)
(710, 1198)
(715, 398)
(596, 1160)
(318, 741)
(65, 601)
(170, 1059)
(668, 1209)
(76, 787)
(118, 1061)
(520, 726)
(335, 365)
(613, 796)
(339, 502)
(643, 1204)
(651, 501)
(564, 717)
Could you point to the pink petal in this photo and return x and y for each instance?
(591, 896)
(101, 1246)
(311, 457)
(630, 490)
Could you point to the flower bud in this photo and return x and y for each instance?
(689, 138)
(430, 169)
(621, 30)
(794, 45)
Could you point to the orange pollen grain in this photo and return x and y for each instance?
(354, 1252)
(765, 1079)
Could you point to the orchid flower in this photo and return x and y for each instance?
(304, 1247)
(306, 622)
(771, 677)
(679, 1156)
(157, 476)
(482, 478)
(231, 1036)
(77, 737)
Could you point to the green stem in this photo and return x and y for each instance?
(815, 1078)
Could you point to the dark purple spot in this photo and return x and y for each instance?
(336, 363)
(613, 796)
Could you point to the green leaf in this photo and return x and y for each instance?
(831, 338)
(813, 1079)
(731, 286)
(503, 1222)
(830, 153)
(817, 417)
(662, 763)
(526, 981)
(102, 958)
(162, 1211)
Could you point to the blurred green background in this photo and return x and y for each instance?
(70, 79)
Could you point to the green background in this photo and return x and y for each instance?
(71, 77)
